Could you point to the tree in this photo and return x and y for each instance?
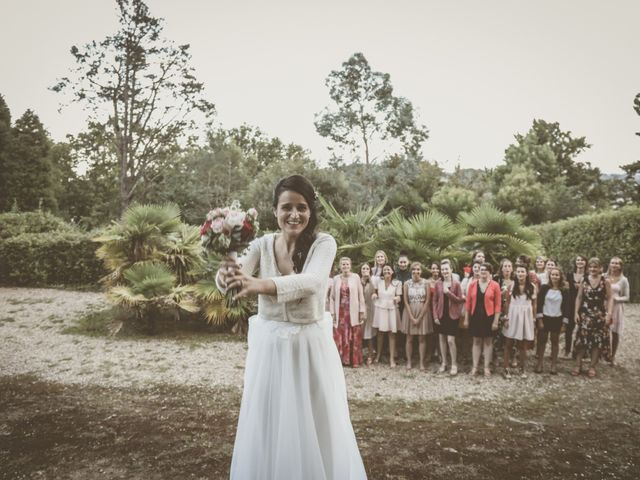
(452, 200)
(632, 170)
(148, 87)
(542, 166)
(27, 168)
(366, 111)
(5, 137)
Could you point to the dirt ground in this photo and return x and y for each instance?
(555, 427)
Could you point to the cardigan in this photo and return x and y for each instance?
(300, 297)
(356, 298)
(566, 302)
(492, 298)
(456, 300)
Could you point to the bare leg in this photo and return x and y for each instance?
(476, 351)
(523, 355)
(380, 344)
(615, 341)
(408, 347)
(443, 351)
(371, 350)
(595, 356)
(453, 351)
(579, 351)
(392, 349)
(488, 354)
(422, 348)
(506, 354)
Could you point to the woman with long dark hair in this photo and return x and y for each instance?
(553, 313)
(294, 418)
(594, 305)
(482, 314)
(574, 280)
(519, 326)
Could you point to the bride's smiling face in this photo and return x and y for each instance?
(292, 213)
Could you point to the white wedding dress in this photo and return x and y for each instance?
(294, 418)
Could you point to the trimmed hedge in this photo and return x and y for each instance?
(13, 224)
(39, 249)
(602, 235)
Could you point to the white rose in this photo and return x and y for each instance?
(234, 220)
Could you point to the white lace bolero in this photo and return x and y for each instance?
(300, 297)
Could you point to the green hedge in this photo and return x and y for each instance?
(13, 224)
(39, 249)
(602, 235)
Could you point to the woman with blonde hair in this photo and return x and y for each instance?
(385, 311)
(620, 292)
(416, 316)
(368, 289)
(348, 310)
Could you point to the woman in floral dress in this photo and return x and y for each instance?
(348, 311)
(594, 305)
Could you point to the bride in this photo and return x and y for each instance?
(294, 419)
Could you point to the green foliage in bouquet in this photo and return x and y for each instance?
(218, 310)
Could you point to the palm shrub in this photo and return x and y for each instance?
(497, 234)
(354, 231)
(151, 255)
(426, 236)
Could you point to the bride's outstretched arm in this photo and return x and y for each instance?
(315, 275)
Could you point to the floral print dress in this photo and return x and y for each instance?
(592, 331)
(348, 338)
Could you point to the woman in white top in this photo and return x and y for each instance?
(385, 311)
(554, 303)
(294, 419)
(620, 293)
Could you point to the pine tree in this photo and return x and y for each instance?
(27, 169)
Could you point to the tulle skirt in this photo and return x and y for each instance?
(294, 419)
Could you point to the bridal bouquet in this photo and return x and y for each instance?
(228, 231)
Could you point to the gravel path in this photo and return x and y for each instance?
(31, 342)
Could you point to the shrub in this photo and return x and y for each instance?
(602, 235)
(14, 224)
(49, 258)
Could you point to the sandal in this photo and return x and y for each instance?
(591, 373)
(575, 371)
(553, 371)
(487, 373)
(537, 370)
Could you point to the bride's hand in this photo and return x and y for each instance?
(243, 284)
(228, 268)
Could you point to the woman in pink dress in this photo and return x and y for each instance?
(348, 309)
(620, 293)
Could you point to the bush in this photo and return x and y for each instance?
(602, 235)
(14, 224)
(39, 249)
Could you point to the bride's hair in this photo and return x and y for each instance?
(299, 184)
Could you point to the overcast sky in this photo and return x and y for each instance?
(477, 71)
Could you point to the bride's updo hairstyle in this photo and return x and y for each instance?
(302, 186)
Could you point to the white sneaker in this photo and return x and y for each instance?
(443, 368)
(454, 370)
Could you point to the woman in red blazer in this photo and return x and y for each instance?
(482, 312)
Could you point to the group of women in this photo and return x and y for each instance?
(516, 310)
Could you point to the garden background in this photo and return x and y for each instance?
(100, 246)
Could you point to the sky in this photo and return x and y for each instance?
(477, 72)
